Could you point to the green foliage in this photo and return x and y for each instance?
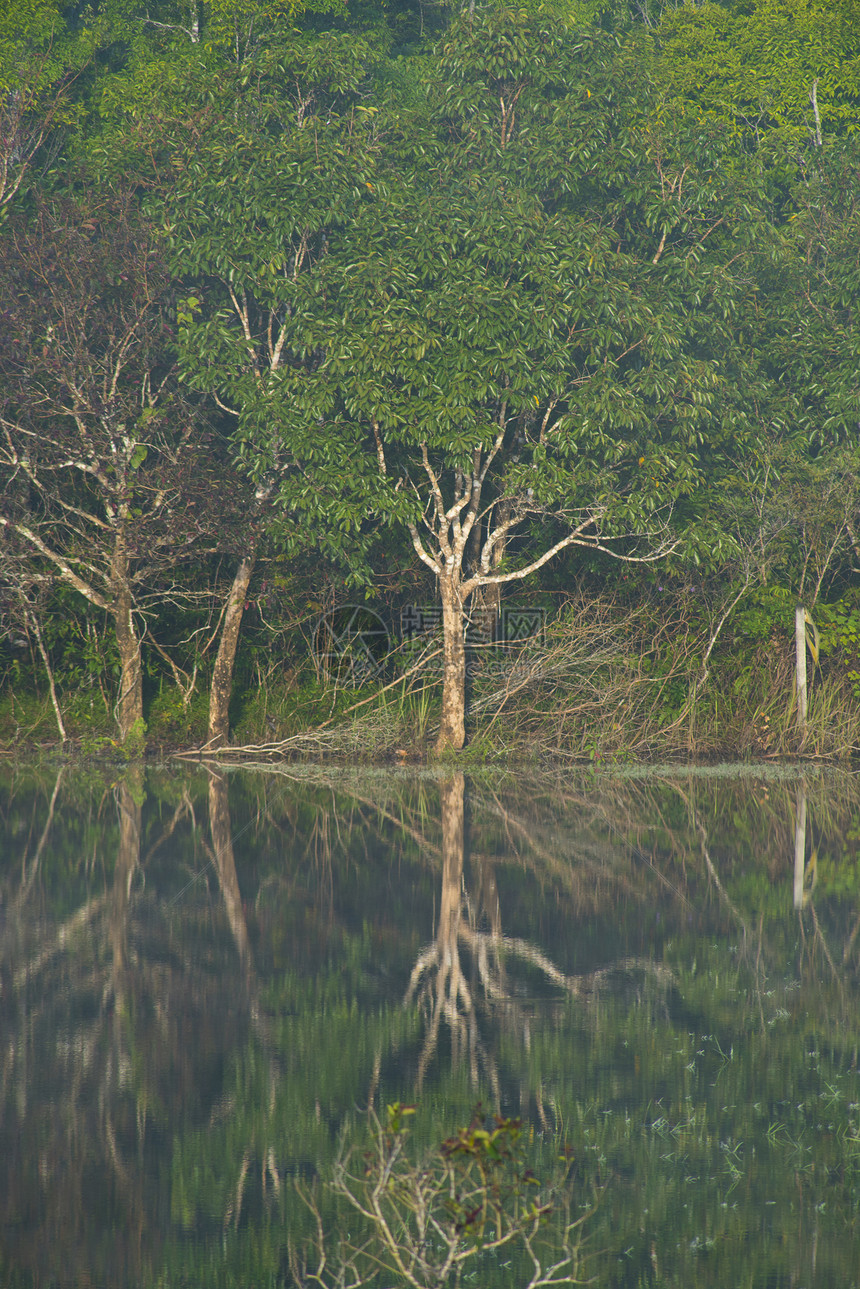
(753, 66)
(390, 283)
(38, 50)
(629, 247)
(172, 721)
(840, 637)
(765, 612)
(25, 718)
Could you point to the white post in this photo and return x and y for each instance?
(800, 655)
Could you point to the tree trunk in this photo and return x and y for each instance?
(129, 707)
(452, 731)
(800, 666)
(33, 620)
(222, 677)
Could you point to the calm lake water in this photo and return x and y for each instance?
(207, 977)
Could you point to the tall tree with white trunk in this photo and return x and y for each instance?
(511, 360)
(487, 312)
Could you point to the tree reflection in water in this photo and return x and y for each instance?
(473, 920)
(202, 979)
(113, 1026)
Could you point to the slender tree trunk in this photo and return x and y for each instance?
(129, 706)
(452, 731)
(49, 671)
(221, 688)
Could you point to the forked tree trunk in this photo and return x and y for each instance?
(452, 730)
(129, 708)
(221, 688)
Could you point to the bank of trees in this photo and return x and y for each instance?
(519, 307)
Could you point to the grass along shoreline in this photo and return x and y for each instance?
(606, 683)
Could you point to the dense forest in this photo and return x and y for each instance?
(382, 377)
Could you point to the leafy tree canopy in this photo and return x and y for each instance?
(756, 66)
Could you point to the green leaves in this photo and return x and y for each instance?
(521, 272)
(395, 1115)
(138, 457)
(488, 1145)
(755, 67)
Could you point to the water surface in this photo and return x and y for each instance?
(208, 976)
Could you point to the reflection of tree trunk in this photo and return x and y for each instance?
(799, 847)
(488, 894)
(490, 906)
(447, 990)
(33, 868)
(449, 994)
(225, 864)
(129, 803)
(447, 934)
(450, 985)
(222, 676)
(129, 798)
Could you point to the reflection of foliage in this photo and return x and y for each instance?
(838, 876)
(467, 1200)
(199, 1037)
(724, 1115)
